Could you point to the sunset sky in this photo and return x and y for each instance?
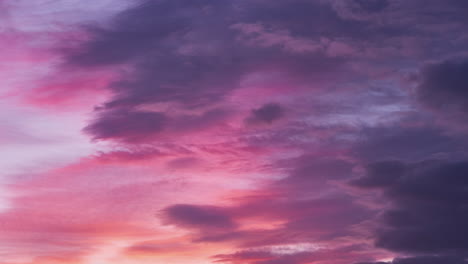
(233, 131)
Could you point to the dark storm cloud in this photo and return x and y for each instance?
(267, 113)
(177, 54)
(434, 10)
(431, 260)
(444, 86)
(408, 142)
(381, 174)
(372, 5)
(424, 260)
(428, 205)
(136, 31)
(194, 53)
(360, 10)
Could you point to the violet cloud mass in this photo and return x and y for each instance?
(234, 132)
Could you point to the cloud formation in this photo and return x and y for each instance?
(443, 86)
(238, 132)
(267, 113)
(426, 208)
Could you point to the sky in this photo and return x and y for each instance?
(233, 132)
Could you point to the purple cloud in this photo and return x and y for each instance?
(426, 213)
(267, 114)
(203, 217)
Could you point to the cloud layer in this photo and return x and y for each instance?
(237, 132)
